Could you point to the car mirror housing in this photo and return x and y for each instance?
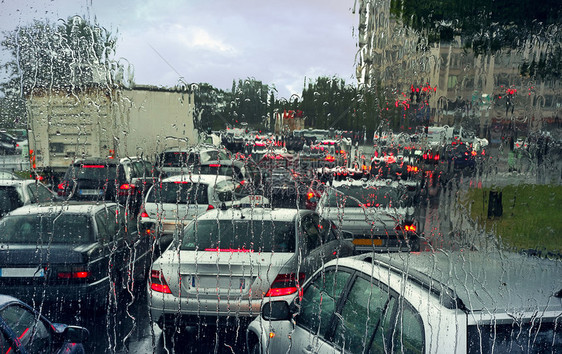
(276, 311)
(76, 334)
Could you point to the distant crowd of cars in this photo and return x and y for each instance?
(320, 257)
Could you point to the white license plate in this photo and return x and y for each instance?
(91, 192)
(22, 272)
(212, 283)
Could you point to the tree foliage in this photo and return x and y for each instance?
(73, 53)
(485, 25)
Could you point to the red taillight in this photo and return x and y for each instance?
(285, 284)
(411, 228)
(309, 195)
(93, 166)
(144, 214)
(158, 283)
(74, 274)
(126, 189)
(436, 157)
(61, 186)
(210, 207)
(214, 165)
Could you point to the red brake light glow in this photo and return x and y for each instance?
(411, 228)
(158, 283)
(285, 284)
(93, 166)
(210, 207)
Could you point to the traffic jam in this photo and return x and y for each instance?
(298, 241)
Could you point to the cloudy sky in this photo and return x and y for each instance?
(216, 41)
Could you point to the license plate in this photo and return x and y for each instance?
(256, 199)
(22, 272)
(90, 192)
(212, 283)
(367, 242)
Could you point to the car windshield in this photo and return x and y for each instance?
(179, 192)
(239, 235)
(367, 196)
(46, 229)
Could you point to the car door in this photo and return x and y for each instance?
(321, 243)
(372, 318)
(318, 304)
(23, 326)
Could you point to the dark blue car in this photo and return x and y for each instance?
(24, 330)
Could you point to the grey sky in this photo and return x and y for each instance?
(216, 41)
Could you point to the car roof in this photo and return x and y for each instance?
(95, 160)
(16, 182)
(66, 206)
(370, 183)
(197, 178)
(7, 299)
(487, 281)
(257, 214)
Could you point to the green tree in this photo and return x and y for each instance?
(485, 25)
(71, 53)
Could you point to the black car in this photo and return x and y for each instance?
(124, 181)
(71, 253)
(8, 144)
(25, 330)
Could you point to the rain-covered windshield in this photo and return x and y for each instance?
(46, 229)
(391, 127)
(239, 236)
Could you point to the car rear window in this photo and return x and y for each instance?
(221, 170)
(177, 159)
(240, 235)
(46, 229)
(93, 171)
(9, 199)
(354, 196)
(179, 192)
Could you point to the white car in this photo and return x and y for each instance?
(179, 161)
(228, 262)
(379, 214)
(429, 302)
(15, 193)
(177, 200)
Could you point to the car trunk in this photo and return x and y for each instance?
(228, 274)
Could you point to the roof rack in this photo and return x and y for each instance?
(447, 296)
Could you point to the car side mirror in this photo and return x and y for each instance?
(276, 311)
(75, 334)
